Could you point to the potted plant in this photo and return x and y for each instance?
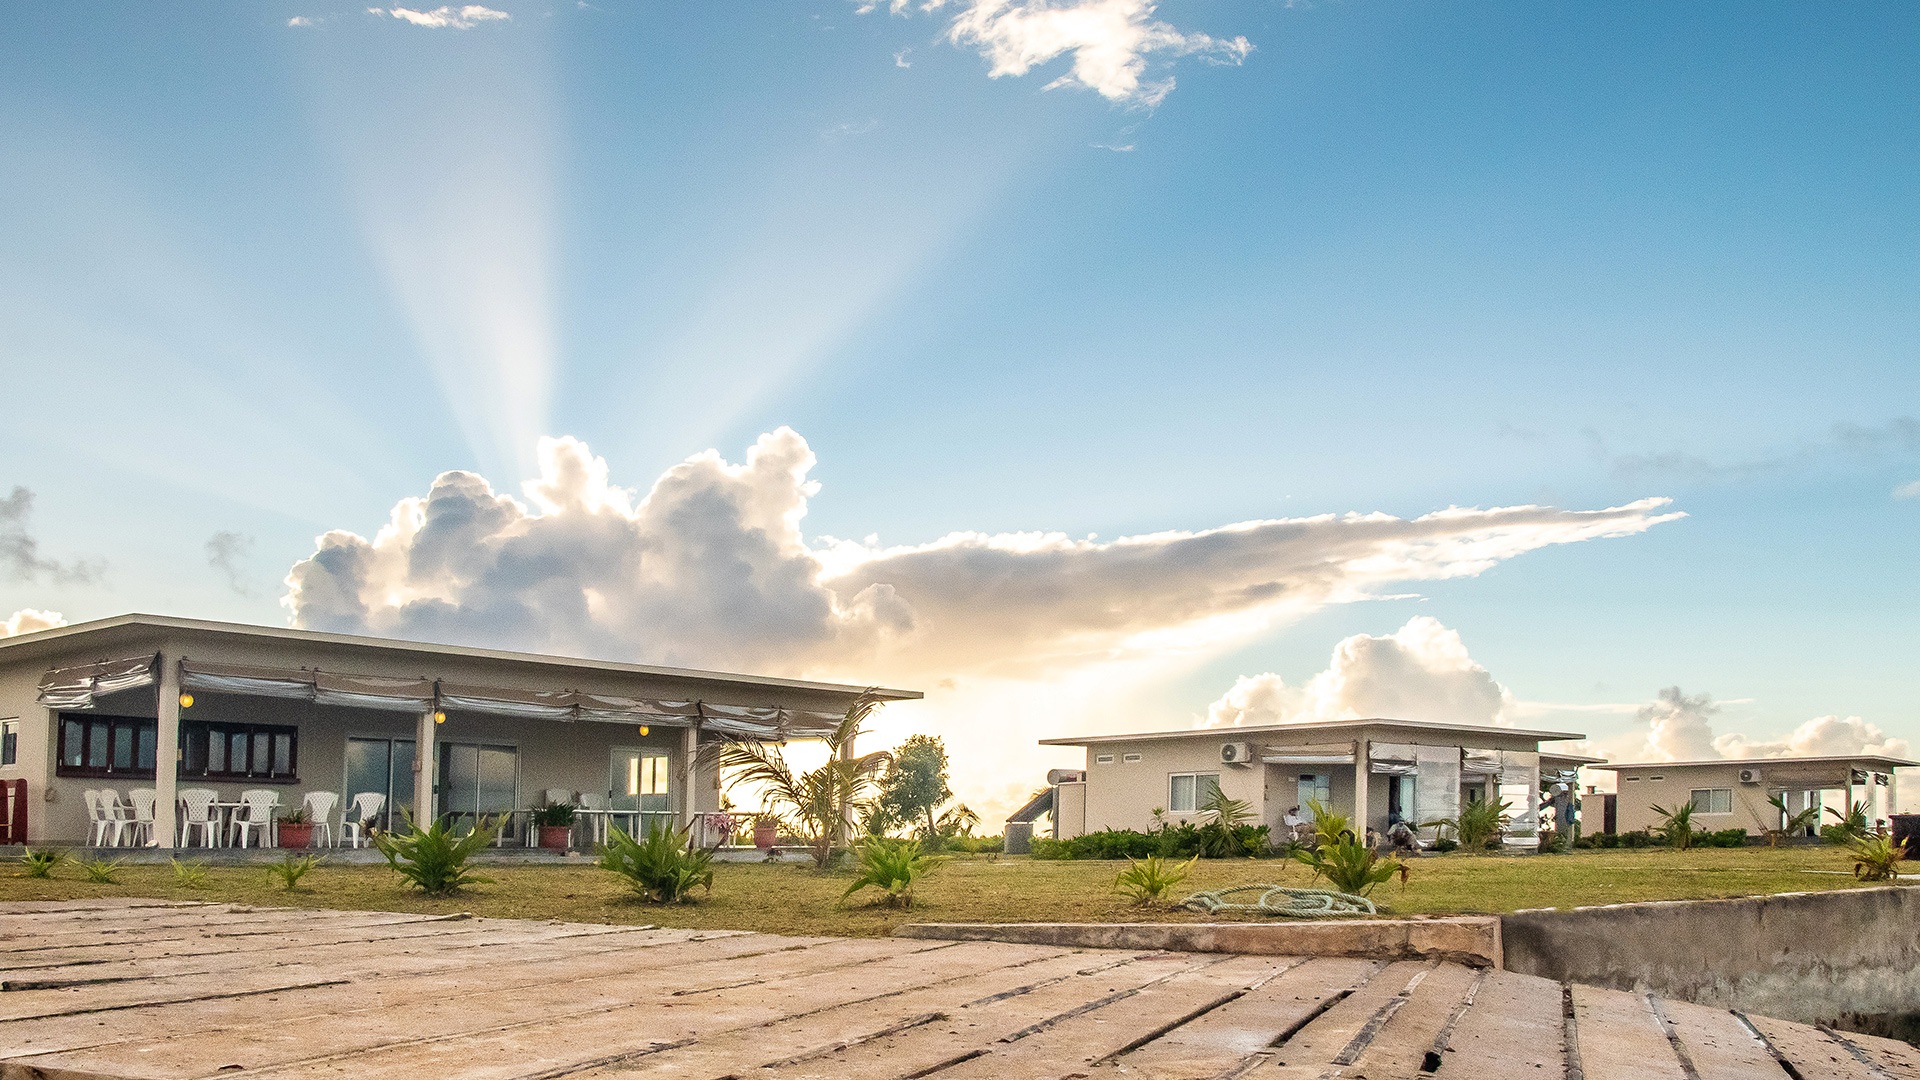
(766, 830)
(296, 830)
(555, 824)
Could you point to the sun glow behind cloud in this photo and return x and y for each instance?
(446, 145)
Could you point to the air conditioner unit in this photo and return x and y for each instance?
(1749, 776)
(1236, 753)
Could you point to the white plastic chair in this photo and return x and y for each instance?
(198, 803)
(96, 821)
(319, 807)
(143, 803)
(365, 809)
(115, 816)
(597, 818)
(257, 807)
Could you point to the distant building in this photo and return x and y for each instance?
(1379, 771)
(1733, 793)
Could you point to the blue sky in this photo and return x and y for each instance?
(269, 279)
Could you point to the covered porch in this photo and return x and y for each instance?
(362, 748)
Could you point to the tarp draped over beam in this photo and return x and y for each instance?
(1309, 754)
(417, 695)
(76, 687)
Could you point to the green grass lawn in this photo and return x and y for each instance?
(793, 899)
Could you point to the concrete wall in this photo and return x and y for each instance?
(1812, 957)
(1069, 810)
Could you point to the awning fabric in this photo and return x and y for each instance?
(1339, 753)
(1394, 768)
(1386, 751)
(76, 687)
(418, 695)
(1480, 762)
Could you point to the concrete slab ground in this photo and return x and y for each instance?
(157, 989)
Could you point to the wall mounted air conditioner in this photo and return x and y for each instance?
(1749, 776)
(1236, 753)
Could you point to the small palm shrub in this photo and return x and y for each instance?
(1478, 825)
(432, 859)
(189, 875)
(663, 868)
(1350, 867)
(1851, 823)
(1148, 880)
(291, 868)
(101, 871)
(1874, 857)
(40, 862)
(1676, 825)
(892, 866)
(1790, 824)
(1329, 827)
(559, 815)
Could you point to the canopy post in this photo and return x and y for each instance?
(166, 756)
(689, 769)
(424, 757)
(1361, 765)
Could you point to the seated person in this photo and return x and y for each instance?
(1292, 822)
(1401, 837)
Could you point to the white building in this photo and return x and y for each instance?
(1410, 770)
(1734, 793)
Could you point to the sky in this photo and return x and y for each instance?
(1089, 364)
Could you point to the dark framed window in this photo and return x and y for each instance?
(268, 752)
(118, 746)
(10, 741)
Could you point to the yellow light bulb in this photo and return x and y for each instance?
(644, 729)
(439, 717)
(186, 701)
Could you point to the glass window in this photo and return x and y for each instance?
(1187, 791)
(239, 751)
(1713, 800)
(9, 742)
(106, 746)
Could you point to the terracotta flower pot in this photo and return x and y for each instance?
(296, 836)
(765, 835)
(555, 836)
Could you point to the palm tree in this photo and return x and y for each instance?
(820, 802)
(1676, 825)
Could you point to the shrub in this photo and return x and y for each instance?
(1445, 844)
(1350, 867)
(1722, 838)
(894, 867)
(433, 860)
(1874, 857)
(1854, 821)
(189, 875)
(289, 870)
(1606, 840)
(557, 816)
(1147, 880)
(40, 862)
(1329, 827)
(663, 868)
(977, 845)
(1478, 826)
(1638, 838)
(1835, 834)
(1045, 848)
(101, 871)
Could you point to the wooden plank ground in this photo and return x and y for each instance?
(168, 991)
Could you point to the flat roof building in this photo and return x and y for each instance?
(1729, 793)
(1378, 771)
(229, 707)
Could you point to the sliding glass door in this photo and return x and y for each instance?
(384, 766)
(476, 780)
(641, 790)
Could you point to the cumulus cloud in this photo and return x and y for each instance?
(1110, 42)
(1908, 490)
(1419, 672)
(465, 17)
(20, 557)
(1680, 728)
(27, 620)
(710, 567)
(226, 551)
